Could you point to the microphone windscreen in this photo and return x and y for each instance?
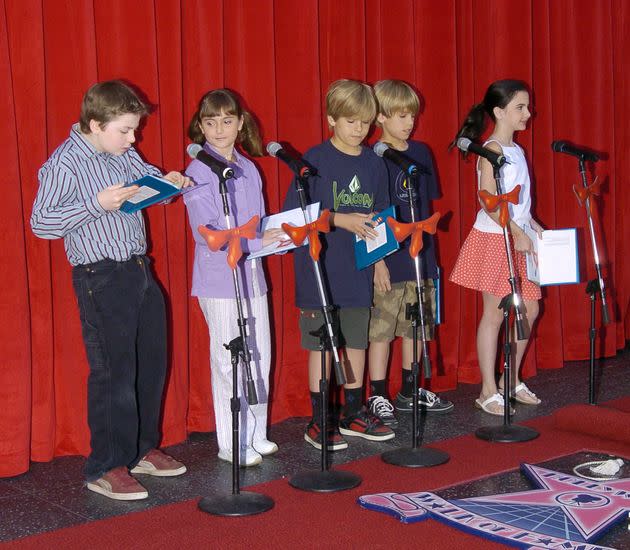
(463, 143)
(558, 146)
(193, 150)
(273, 147)
(380, 148)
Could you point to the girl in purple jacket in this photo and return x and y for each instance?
(218, 125)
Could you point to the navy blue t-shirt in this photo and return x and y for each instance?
(400, 264)
(345, 184)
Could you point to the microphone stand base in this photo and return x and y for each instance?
(506, 434)
(236, 505)
(325, 481)
(415, 457)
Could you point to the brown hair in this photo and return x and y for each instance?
(105, 101)
(225, 101)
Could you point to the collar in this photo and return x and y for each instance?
(83, 147)
(236, 165)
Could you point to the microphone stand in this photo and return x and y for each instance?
(507, 432)
(414, 456)
(238, 503)
(323, 480)
(595, 286)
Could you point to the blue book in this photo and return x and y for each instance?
(152, 190)
(370, 251)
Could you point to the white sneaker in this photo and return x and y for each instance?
(265, 447)
(249, 457)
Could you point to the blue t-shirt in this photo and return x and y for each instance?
(400, 264)
(345, 184)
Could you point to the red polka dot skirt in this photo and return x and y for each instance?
(482, 265)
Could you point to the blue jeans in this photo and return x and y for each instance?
(123, 320)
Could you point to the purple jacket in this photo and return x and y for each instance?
(212, 277)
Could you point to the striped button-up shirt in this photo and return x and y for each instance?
(66, 204)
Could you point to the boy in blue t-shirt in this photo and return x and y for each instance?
(395, 278)
(350, 181)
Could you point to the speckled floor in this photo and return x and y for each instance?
(51, 495)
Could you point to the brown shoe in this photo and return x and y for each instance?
(157, 463)
(119, 485)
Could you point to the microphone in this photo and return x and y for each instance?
(496, 159)
(400, 159)
(582, 154)
(221, 169)
(298, 166)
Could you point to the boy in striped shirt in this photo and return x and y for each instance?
(123, 319)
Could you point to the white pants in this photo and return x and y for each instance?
(221, 316)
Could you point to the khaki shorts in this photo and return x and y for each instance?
(349, 323)
(388, 314)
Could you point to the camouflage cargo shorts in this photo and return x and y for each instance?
(388, 314)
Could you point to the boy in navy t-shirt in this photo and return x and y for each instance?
(351, 182)
(395, 278)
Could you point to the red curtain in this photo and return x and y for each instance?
(281, 55)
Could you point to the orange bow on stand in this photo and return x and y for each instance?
(403, 230)
(584, 193)
(492, 202)
(217, 239)
(310, 230)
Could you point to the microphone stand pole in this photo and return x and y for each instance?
(323, 480)
(414, 456)
(238, 503)
(507, 432)
(595, 286)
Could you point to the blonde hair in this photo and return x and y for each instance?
(225, 101)
(350, 98)
(396, 96)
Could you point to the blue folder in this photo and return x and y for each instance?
(152, 190)
(365, 253)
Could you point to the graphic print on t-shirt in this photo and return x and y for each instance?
(401, 185)
(352, 195)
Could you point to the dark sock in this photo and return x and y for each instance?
(406, 390)
(316, 404)
(354, 400)
(378, 387)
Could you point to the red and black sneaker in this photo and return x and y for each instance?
(365, 425)
(313, 435)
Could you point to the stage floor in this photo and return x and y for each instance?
(51, 495)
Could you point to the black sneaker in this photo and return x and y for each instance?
(427, 400)
(365, 425)
(313, 435)
(382, 408)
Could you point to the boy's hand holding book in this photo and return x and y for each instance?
(361, 225)
(178, 179)
(113, 197)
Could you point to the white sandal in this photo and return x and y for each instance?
(495, 398)
(534, 399)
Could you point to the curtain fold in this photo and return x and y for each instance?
(280, 56)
